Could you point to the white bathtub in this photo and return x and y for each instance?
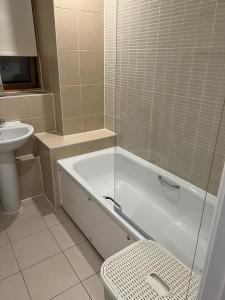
(168, 214)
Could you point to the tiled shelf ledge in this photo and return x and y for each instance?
(22, 93)
(53, 141)
(52, 147)
(25, 157)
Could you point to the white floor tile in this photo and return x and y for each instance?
(13, 288)
(50, 215)
(35, 248)
(55, 217)
(84, 259)
(27, 206)
(76, 293)
(42, 204)
(8, 264)
(94, 287)
(19, 227)
(49, 278)
(67, 234)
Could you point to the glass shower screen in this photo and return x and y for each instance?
(164, 83)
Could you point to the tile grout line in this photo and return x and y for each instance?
(79, 66)
(80, 282)
(10, 275)
(27, 236)
(11, 244)
(86, 290)
(21, 270)
(4, 244)
(69, 265)
(24, 269)
(35, 209)
(48, 228)
(75, 270)
(18, 266)
(65, 291)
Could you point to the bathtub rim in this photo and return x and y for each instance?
(67, 166)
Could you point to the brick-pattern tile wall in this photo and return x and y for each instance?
(165, 83)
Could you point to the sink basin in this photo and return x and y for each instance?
(13, 135)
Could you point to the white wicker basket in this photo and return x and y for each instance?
(146, 270)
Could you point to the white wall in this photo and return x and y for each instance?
(17, 28)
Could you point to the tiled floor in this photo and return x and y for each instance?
(43, 255)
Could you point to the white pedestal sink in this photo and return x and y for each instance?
(13, 135)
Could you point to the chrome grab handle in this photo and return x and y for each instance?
(170, 185)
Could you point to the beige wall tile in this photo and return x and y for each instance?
(45, 25)
(42, 105)
(168, 98)
(92, 99)
(90, 30)
(133, 138)
(91, 67)
(73, 125)
(66, 29)
(84, 147)
(58, 112)
(65, 3)
(62, 64)
(46, 169)
(93, 122)
(91, 5)
(59, 124)
(110, 122)
(68, 67)
(43, 124)
(71, 101)
(30, 181)
(15, 108)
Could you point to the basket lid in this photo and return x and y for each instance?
(146, 270)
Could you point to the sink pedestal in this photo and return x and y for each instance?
(9, 186)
